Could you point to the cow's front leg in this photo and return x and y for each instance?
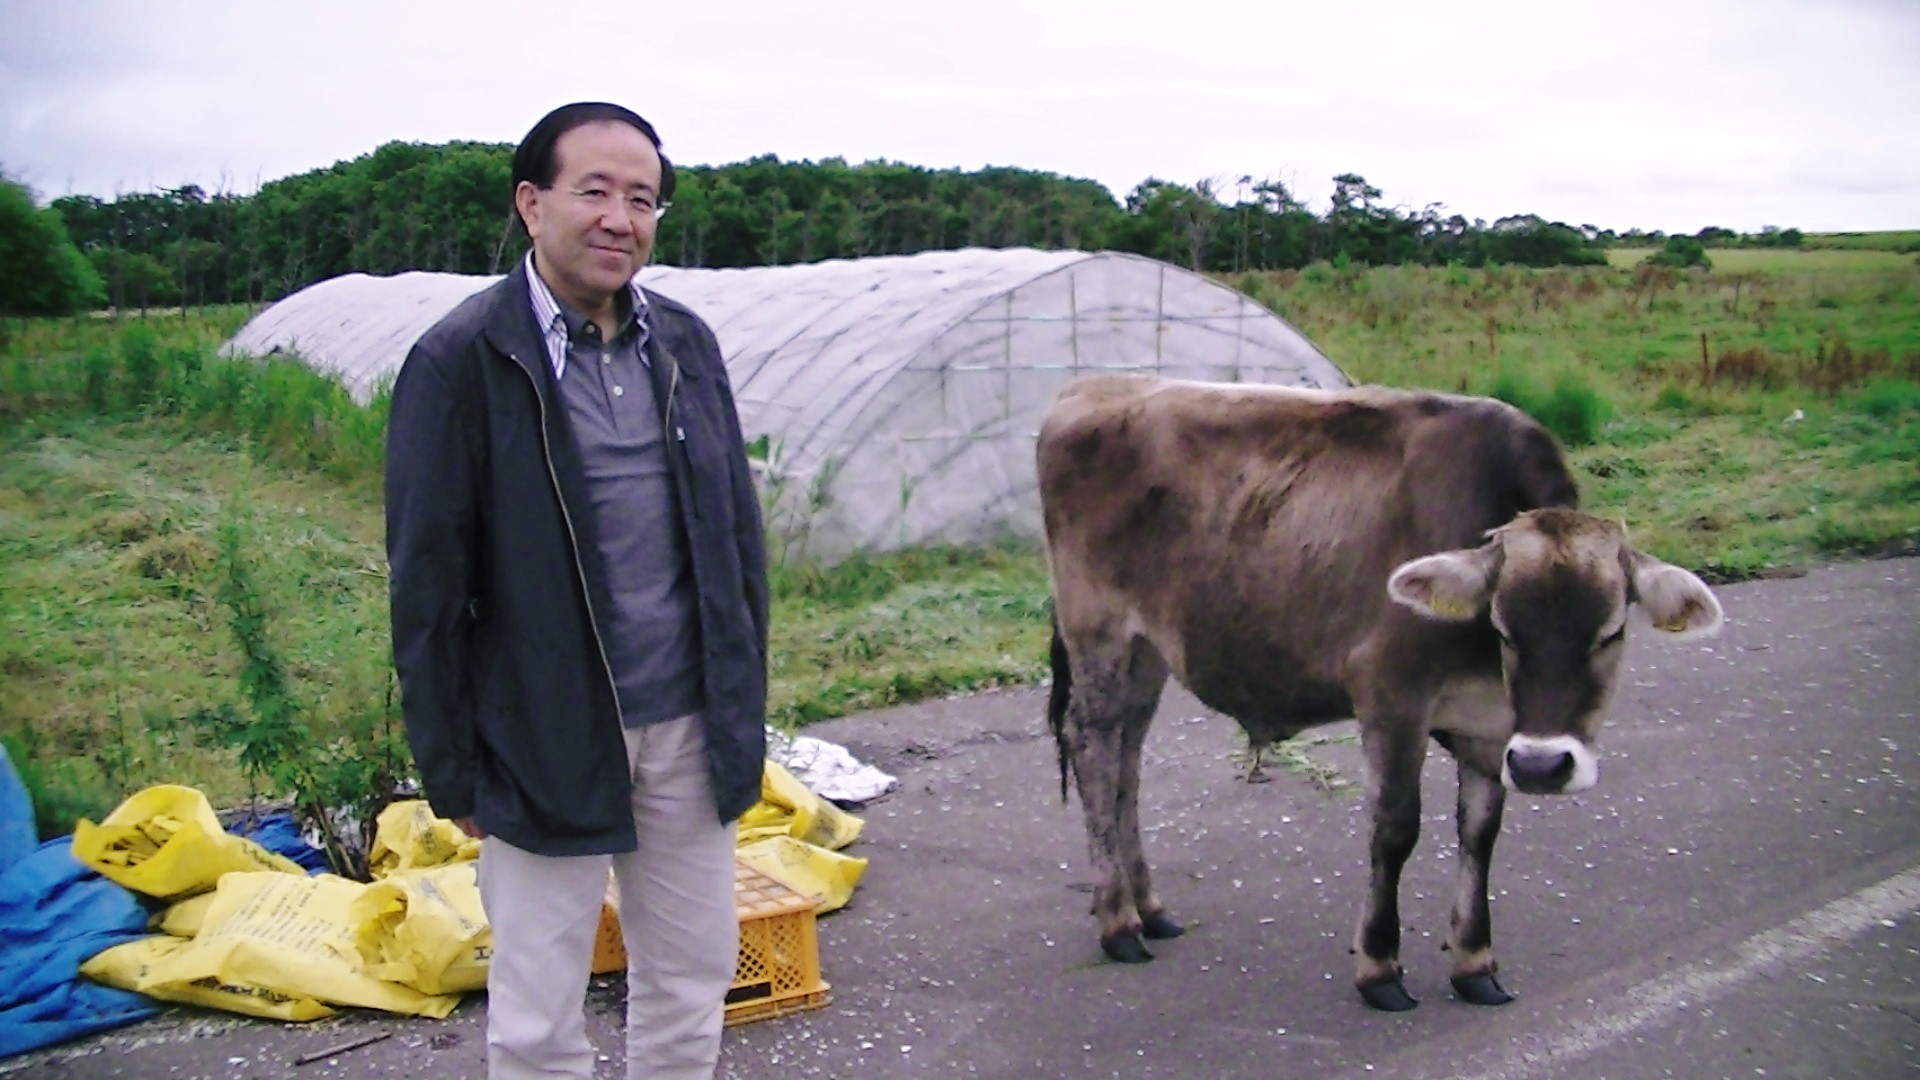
(1470, 932)
(1395, 750)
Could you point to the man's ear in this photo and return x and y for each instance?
(526, 199)
(1674, 600)
(1452, 586)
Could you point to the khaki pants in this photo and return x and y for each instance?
(676, 918)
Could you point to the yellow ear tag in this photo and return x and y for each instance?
(1449, 608)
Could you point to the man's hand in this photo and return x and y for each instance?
(467, 826)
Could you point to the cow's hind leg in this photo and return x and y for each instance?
(1394, 752)
(1113, 699)
(1470, 932)
(1154, 921)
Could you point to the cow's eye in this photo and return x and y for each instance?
(1612, 639)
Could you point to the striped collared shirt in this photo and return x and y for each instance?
(553, 324)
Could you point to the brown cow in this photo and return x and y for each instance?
(1296, 557)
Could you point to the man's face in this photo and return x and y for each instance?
(594, 228)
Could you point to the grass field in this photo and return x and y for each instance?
(1803, 260)
(1742, 422)
(1887, 252)
(1899, 240)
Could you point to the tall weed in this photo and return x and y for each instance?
(338, 785)
(278, 404)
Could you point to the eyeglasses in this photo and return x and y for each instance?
(602, 201)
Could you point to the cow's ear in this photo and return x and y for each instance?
(1453, 586)
(1673, 600)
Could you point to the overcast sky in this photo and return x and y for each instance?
(1660, 114)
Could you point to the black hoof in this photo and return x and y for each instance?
(1158, 927)
(1126, 949)
(1388, 997)
(1480, 990)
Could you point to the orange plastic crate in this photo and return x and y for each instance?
(778, 971)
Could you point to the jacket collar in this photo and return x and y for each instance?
(657, 350)
(511, 329)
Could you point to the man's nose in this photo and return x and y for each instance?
(618, 219)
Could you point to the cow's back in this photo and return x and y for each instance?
(1248, 531)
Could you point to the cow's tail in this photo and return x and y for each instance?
(1057, 702)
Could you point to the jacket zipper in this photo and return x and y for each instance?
(586, 594)
(673, 386)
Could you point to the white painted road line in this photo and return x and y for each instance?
(1655, 1000)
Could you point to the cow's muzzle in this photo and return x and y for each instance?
(1549, 766)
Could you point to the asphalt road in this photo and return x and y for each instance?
(1739, 897)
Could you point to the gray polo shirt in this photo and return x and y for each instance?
(654, 643)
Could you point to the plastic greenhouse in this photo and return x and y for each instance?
(898, 397)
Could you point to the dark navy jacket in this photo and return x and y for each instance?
(498, 596)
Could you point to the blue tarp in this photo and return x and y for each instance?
(17, 835)
(281, 835)
(54, 915)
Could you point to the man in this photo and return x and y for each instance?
(580, 609)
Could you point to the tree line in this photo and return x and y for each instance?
(444, 207)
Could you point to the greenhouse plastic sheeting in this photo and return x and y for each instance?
(54, 914)
(899, 395)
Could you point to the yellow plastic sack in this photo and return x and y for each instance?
(827, 876)
(183, 918)
(290, 937)
(167, 843)
(131, 967)
(425, 929)
(407, 836)
(788, 807)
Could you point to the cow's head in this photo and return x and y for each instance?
(1557, 586)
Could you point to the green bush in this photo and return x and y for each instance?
(99, 370)
(1673, 398)
(1885, 398)
(1681, 252)
(181, 369)
(41, 272)
(1572, 410)
(140, 361)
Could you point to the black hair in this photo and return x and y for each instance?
(533, 159)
